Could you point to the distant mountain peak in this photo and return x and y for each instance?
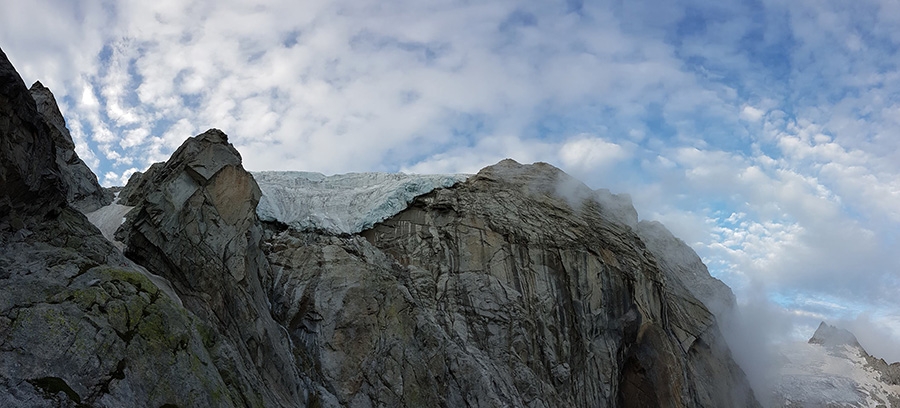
(828, 335)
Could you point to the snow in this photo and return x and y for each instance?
(107, 219)
(814, 375)
(344, 203)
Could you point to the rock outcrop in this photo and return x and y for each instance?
(139, 184)
(517, 287)
(82, 189)
(30, 182)
(684, 270)
(197, 227)
(556, 296)
(80, 324)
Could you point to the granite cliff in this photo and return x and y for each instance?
(518, 286)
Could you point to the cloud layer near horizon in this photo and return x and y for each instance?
(762, 133)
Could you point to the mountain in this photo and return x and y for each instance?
(516, 286)
(833, 370)
(82, 189)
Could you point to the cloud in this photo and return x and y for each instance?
(751, 114)
(586, 153)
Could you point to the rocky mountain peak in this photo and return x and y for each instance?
(545, 180)
(829, 336)
(205, 155)
(79, 184)
(46, 105)
(30, 182)
(833, 370)
(196, 225)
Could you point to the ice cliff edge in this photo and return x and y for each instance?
(340, 204)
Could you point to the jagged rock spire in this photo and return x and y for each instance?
(828, 335)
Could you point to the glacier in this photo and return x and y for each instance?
(343, 203)
(813, 375)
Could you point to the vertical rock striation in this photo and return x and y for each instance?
(518, 287)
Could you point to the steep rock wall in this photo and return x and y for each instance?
(80, 324)
(82, 189)
(519, 287)
(196, 225)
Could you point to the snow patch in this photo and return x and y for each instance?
(108, 219)
(343, 203)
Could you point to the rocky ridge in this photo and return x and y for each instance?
(833, 370)
(83, 191)
(80, 324)
(517, 287)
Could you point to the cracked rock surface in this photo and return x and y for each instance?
(80, 324)
(504, 290)
(82, 189)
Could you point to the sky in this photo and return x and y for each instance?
(763, 133)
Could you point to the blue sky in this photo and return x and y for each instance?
(762, 133)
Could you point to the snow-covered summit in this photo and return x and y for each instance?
(830, 336)
(833, 370)
(343, 203)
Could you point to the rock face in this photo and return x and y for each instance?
(29, 176)
(517, 287)
(685, 270)
(197, 227)
(80, 324)
(555, 297)
(83, 191)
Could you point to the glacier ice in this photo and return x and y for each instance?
(820, 376)
(343, 203)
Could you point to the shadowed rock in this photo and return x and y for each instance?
(82, 189)
(30, 182)
(80, 325)
(197, 227)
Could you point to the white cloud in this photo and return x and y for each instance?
(585, 153)
(752, 114)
